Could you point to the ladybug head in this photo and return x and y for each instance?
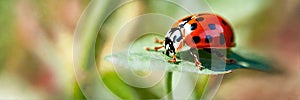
(173, 40)
(169, 46)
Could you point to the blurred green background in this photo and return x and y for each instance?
(36, 38)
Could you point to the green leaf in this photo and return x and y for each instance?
(77, 93)
(137, 58)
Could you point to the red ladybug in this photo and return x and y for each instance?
(198, 31)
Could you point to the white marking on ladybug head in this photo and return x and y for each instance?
(175, 35)
(167, 46)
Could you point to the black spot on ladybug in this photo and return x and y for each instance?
(208, 38)
(181, 25)
(193, 26)
(224, 23)
(199, 19)
(187, 19)
(196, 39)
(179, 39)
(174, 38)
(222, 38)
(212, 26)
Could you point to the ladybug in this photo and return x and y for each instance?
(198, 31)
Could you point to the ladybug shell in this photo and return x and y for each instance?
(207, 31)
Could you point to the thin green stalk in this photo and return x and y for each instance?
(169, 85)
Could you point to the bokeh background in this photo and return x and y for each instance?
(36, 43)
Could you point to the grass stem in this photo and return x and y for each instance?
(169, 85)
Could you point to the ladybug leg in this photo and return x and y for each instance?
(158, 41)
(156, 48)
(196, 60)
(222, 56)
(173, 60)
